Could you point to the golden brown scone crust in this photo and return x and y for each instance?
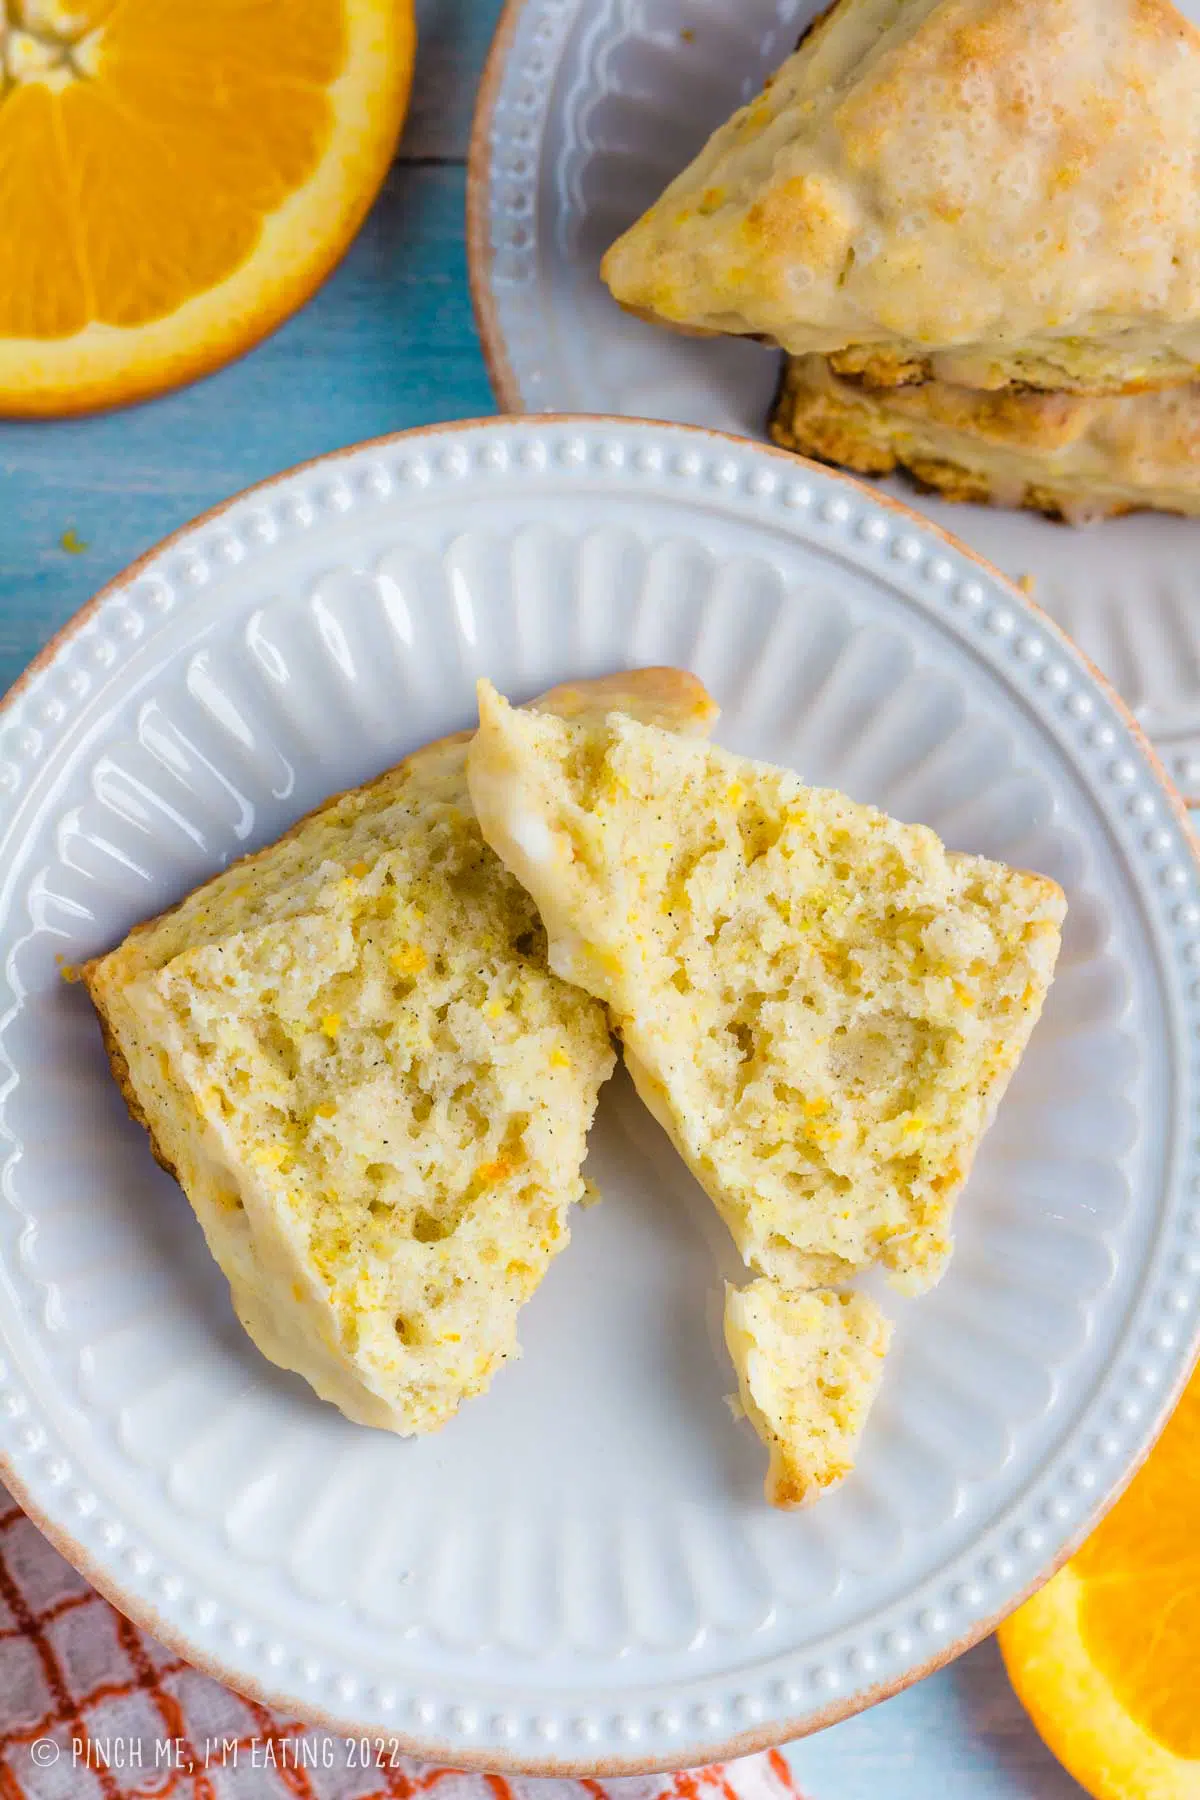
(349, 1051)
(873, 367)
(1065, 455)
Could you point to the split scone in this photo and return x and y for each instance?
(1074, 456)
(986, 191)
(809, 1366)
(351, 1053)
(822, 1006)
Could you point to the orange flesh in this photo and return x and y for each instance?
(1139, 1611)
(137, 165)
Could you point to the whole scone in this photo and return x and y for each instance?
(989, 192)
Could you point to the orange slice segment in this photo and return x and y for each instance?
(176, 178)
(1106, 1658)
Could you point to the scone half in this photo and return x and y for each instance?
(351, 1052)
(821, 1005)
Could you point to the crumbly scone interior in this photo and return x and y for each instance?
(352, 1053)
(809, 1366)
(822, 1006)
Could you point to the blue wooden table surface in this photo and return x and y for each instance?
(390, 342)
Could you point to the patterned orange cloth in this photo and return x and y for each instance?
(93, 1709)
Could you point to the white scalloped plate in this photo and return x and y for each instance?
(580, 1572)
(587, 109)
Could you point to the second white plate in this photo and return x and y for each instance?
(587, 110)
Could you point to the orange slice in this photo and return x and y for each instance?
(176, 177)
(1106, 1658)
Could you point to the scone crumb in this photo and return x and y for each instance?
(809, 1365)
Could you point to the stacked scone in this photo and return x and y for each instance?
(973, 226)
(371, 1053)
